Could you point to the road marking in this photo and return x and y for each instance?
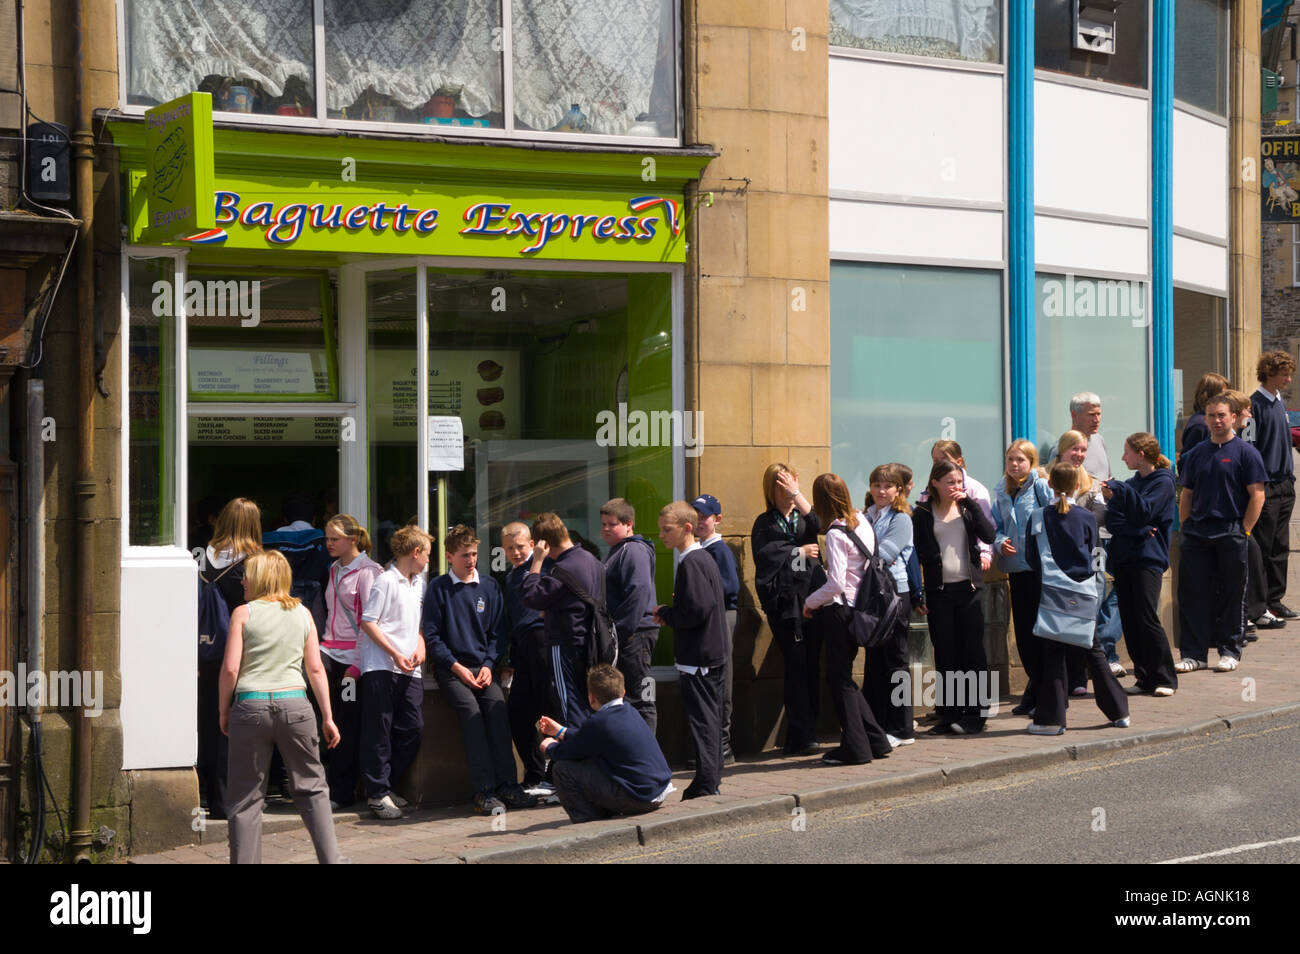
(1255, 846)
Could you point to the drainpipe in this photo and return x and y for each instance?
(83, 147)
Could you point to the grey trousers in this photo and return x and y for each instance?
(728, 678)
(588, 793)
(257, 728)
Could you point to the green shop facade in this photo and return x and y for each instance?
(400, 330)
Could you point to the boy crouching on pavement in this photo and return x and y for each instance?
(698, 619)
(611, 764)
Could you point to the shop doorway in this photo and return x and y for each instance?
(280, 462)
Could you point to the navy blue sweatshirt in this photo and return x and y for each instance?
(464, 622)
(617, 737)
(1072, 537)
(522, 619)
(568, 621)
(726, 561)
(696, 616)
(630, 584)
(1272, 435)
(1195, 431)
(1139, 516)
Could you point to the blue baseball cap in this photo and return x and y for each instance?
(708, 505)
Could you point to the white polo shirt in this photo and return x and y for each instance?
(394, 606)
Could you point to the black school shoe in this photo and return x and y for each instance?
(837, 756)
(1282, 611)
(512, 795)
(802, 748)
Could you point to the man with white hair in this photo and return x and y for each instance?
(1085, 417)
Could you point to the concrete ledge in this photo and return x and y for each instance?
(997, 766)
(584, 846)
(841, 796)
(662, 831)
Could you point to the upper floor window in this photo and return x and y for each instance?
(1201, 54)
(1104, 40)
(961, 30)
(563, 68)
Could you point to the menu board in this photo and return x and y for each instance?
(256, 371)
(264, 430)
(482, 388)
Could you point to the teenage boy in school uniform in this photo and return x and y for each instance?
(612, 765)
(567, 620)
(1271, 436)
(529, 672)
(709, 512)
(699, 642)
(390, 653)
(630, 596)
(1223, 492)
(464, 630)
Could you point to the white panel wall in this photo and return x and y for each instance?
(1200, 264)
(1090, 151)
(1066, 246)
(159, 631)
(915, 131)
(1200, 175)
(871, 230)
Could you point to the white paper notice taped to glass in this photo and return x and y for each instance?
(446, 444)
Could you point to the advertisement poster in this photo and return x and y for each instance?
(482, 388)
(1279, 186)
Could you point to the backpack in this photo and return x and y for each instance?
(214, 616)
(309, 562)
(602, 647)
(877, 609)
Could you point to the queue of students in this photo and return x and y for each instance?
(538, 638)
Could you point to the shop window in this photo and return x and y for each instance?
(1295, 256)
(258, 336)
(151, 405)
(392, 402)
(1201, 54)
(1119, 27)
(1092, 336)
(1200, 345)
(966, 30)
(253, 56)
(580, 67)
(916, 355)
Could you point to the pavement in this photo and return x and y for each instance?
(771, 788)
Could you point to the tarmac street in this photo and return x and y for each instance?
(1205, 770)
(1227, 798)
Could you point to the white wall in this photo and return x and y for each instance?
(1067, 245)
(915, 131)
(912, 148)
(1200, 175)
(1200, 264)
(1090, 151)
(159, 645)
(884, 232)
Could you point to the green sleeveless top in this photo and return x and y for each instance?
(274, 640)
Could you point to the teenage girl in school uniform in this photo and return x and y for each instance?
(1060, 546)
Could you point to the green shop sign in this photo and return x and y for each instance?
(178, 155)
(352, 196)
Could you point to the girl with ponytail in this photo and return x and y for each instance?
(1061, 545)
(350, 580)
(1139, 514)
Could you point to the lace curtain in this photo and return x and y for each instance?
(968, 29)
(601, 54)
